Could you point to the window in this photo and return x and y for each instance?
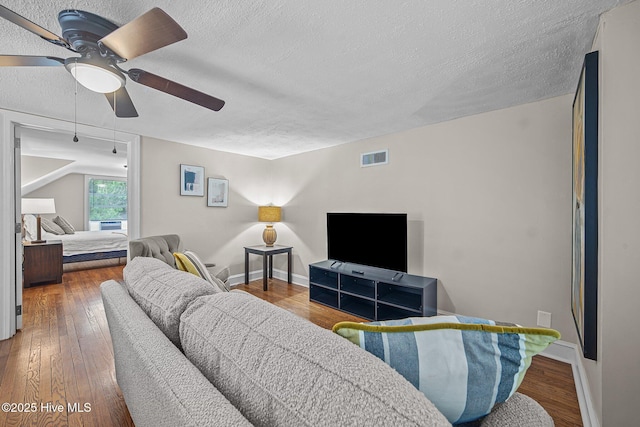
(107, 204)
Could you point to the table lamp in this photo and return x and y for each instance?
(269, 214)
(37, 207)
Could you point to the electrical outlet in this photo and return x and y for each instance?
(544, 319)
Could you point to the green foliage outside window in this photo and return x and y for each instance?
(107, 200)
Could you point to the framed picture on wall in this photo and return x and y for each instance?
(584, 270)
(218, 192)
(191, 180)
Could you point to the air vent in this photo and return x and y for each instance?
(374, 158)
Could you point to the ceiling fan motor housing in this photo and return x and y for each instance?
(83, 30)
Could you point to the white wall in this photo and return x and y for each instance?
(216, 234)
(69, 195)
(615, 378)
(488, 199)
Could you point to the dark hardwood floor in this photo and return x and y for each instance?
(63, 356)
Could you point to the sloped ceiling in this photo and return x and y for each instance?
(35, 167)
(48, 156)
(299, 75)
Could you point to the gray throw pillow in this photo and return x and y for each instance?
(204, 272)
(51, 227)
(281, 370)
(65, 225)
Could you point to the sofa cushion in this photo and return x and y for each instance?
(464, 365)
(519, 410)
(163, 292)
(279, 369)
(160, 386)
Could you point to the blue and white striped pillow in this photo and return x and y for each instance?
(464, 365)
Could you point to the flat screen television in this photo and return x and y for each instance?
(373, 239)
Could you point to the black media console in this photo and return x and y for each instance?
(370, 292)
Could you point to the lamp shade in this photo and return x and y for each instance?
(38, 206)
(269, 213)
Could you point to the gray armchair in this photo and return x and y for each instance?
(163, 247)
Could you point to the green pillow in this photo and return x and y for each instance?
(464, 365)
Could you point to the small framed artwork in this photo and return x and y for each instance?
(218, 192)
(191, 180)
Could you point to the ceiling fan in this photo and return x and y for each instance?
(102, 46)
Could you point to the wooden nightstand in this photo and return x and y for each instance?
(42, 262)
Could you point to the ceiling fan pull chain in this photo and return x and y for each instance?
(75, 111)
(115, 113)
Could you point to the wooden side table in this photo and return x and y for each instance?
(42, 262)
(267, 253)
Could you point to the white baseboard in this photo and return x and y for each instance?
(560, 350)
(296, 279)
(570, 353)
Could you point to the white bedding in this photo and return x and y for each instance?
(88, 242)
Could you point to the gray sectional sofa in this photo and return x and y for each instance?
(187, 354)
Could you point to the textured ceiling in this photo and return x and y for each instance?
(299, 75)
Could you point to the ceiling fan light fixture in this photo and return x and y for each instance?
(102, 45)
(95, 76)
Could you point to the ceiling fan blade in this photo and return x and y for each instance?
(124, 107)
(23, 22)
(176, 89)
(25, 61)
(146, 33)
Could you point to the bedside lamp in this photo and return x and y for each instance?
(269, 214)
(37, 207)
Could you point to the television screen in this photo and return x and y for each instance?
(374, 239)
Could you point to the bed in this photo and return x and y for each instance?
(91, 245)
(83, 246)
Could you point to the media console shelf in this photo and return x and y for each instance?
(370, 292)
